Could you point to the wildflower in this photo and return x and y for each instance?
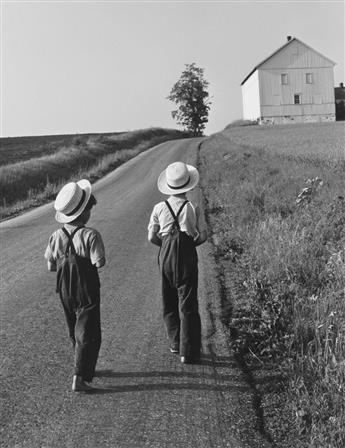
(307, 194)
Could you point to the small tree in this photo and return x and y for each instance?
(191, 97)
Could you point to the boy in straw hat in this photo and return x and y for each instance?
(75, 252)
(177, 227)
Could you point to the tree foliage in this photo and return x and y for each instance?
(191, 96)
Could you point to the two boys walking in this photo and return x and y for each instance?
(76, 252)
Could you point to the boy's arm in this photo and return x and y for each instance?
(201, 224)
(97, 251)
(153, 237)
(153, 229)
(48, 255)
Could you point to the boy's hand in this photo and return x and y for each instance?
(201, 238)
(51, 266)
(100, 263)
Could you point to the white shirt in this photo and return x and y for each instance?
(190, 219)
(88, 243)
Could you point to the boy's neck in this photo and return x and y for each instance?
(76, 224)
(179, 195)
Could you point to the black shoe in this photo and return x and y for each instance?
(174, 350)
(78, 385)
(187, 360)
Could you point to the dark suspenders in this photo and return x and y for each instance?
(70, 239)
(175, 217)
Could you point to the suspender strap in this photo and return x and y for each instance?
(178, 213)
(70, 238)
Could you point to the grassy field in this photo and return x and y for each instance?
(19, 149)
(275, 203)
(33, 169)
(314, 141)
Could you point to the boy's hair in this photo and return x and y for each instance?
(91, 202)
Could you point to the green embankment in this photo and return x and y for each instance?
(275, 204)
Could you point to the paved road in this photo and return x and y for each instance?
(145, 396)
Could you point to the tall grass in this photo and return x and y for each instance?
(282, 258)
(35, 180)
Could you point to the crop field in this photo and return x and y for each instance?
(313, 141)
(33, 169)
(275, 206)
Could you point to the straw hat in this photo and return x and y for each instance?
(178, 178)
(71, 200)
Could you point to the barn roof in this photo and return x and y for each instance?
(277, 51)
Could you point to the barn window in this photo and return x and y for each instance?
(284, 78)
(309, 78)
(297, 98)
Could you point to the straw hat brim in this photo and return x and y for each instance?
(164, 188)
(85, 185)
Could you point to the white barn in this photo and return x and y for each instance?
(294, 84)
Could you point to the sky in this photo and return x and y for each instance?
(107, 66)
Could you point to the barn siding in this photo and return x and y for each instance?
(321, 90)
(296, 55)
(251, 98)
(298, 109)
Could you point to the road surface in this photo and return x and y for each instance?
(145, 397)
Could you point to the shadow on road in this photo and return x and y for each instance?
(202, 380)
(165, 386)
(209, 374)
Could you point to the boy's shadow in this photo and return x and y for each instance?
(200, 378)
(223, 380)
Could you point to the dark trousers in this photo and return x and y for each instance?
(180, 295)
(84, 327)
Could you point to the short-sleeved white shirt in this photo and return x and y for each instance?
(88, 243)
(190, 219)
